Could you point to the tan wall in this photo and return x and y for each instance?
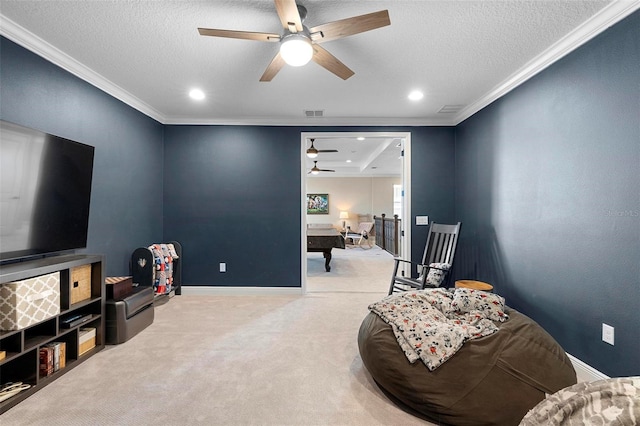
(357, 195)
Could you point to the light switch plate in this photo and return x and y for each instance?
(422, 220)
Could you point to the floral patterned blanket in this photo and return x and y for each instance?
(163, 257)
(431, 325)
(614, 401)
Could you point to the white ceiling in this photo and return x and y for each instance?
(148, 53)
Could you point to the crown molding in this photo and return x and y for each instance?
(37, 45)
(314, 122)
(607, 17)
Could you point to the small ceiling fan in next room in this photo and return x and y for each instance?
(315, 170)
(300, 44)
(312, 152)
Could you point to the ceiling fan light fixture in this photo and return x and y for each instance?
(312, 152)
(296, 49)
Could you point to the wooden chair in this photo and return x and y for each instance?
(360, 235)
(437, 260)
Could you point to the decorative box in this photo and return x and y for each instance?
(27, 302)
(118, 287)
(80, 283)
(86, 340)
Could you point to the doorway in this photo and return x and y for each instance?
(333, 141)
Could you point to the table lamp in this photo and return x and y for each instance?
(344, 215)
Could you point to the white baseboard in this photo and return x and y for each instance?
(585, 372)
(239, 291)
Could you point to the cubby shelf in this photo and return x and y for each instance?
(22, 346)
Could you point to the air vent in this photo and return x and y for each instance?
(449, 109)
(314, 113)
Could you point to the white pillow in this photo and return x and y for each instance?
(491, 305)
(436, 276)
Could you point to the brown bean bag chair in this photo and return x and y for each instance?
(493, 380)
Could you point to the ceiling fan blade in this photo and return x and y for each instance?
(325, 59)
(289, 16)
(350, 26)
(276, 65)
(327, 150)
(326, 170)
(244, 35)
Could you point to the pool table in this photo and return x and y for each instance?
(323, 240)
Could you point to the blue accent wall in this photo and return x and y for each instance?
(126, 200)
(233, 195)
(548, 190)
(432, 183)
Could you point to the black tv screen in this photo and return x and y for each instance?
(45, 192)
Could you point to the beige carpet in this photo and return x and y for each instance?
(236, 360)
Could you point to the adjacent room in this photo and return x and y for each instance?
(429, 214)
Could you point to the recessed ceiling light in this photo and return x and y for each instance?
(361, 138)
(196, 94)
(348, 161)
(416, 95)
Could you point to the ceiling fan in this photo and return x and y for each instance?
(299, 44)
(312, 152)
(315, 170)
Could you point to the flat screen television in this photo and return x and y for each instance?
(45, 192)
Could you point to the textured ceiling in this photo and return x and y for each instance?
(459, 53)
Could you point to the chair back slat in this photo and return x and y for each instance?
(441, 243)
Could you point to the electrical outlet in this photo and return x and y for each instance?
(608, 334)
(223, 267)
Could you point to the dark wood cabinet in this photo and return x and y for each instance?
(22, 347)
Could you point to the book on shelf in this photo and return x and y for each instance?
(56, 356)
(46, 361)
(59, 354)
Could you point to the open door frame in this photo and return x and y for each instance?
(406, 186)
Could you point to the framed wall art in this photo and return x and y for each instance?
(317, 203)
